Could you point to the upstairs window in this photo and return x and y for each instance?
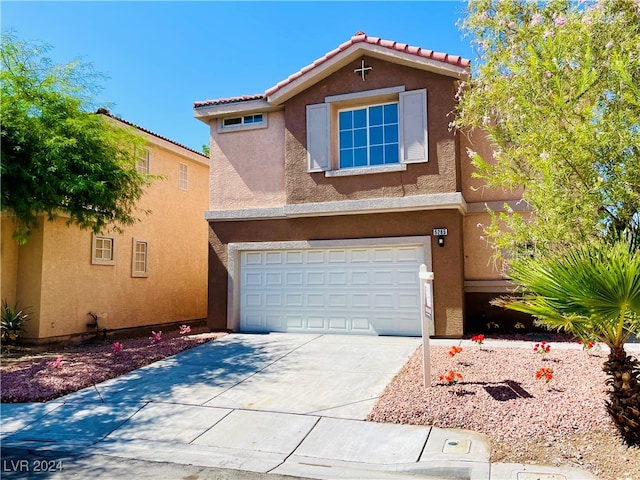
(183, 176)
(369, 136)
(142, 163)
(245, 122)
(365, 132)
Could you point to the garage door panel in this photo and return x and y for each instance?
(273, 258)
(372, 290)
(337, 256)
(338, 323)
(273, 279)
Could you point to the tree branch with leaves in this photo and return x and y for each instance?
(58, 157)
(557, 89)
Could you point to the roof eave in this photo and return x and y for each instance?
(315, 73)
(206, 113)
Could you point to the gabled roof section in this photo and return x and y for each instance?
(107, 113)
(360, 44)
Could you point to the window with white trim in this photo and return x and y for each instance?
(183, 176)
(244, 122)
(142, 162)
(140, 258)
(103, 250)
(368, 136)
(367, 132)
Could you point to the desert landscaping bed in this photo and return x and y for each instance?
(41, 373)
(562, 422)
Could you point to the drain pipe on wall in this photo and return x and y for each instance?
(426, 313)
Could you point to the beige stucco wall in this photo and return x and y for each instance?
(474, 189)
(8, 261)
(247, 166)
(479, 263)
(56, 277)
(29, 280)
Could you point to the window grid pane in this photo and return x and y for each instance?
(369, 136)
(140, 257)
(104, 249)
(183, 176)
(142, 163)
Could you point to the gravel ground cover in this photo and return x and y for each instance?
(41, 373)
(559, 422)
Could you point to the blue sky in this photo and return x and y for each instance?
(160, 57)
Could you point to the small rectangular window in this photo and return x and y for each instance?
(183, 176)
(246, 122)
(232, 121)
(103, 250)
(142, 163)
(140, 259)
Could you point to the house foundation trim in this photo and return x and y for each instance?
(488, 286)
(435, 201)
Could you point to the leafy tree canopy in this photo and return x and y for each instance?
(59, 158)
(557, 89)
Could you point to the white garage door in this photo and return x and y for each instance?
(357, 289)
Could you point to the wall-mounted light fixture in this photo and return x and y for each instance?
(440, 233)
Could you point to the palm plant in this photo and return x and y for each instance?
(593, 292)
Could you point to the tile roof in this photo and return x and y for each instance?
(221, 101)
(104, 111)
(359, 37)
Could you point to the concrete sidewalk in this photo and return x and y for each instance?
(277, 404)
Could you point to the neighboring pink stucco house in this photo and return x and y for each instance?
(329, 190)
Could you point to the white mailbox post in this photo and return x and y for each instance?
(428, 328)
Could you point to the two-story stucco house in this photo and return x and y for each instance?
(328, 192)
(152, 274)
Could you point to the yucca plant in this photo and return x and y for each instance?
(12, 322)
(593, 292)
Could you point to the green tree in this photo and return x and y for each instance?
(557, 90)
(593, 292)
(58, 157)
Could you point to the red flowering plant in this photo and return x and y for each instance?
(546, 373)
(542, 348)
(451, 378)
(116, 347)
(587, 344)
(454, 350)
(155, 336)
(479, 339)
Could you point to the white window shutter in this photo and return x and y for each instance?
(318, 138)
(413, 126)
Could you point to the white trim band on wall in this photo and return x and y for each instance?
(435, 201)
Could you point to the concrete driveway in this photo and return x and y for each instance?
(330, 375)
